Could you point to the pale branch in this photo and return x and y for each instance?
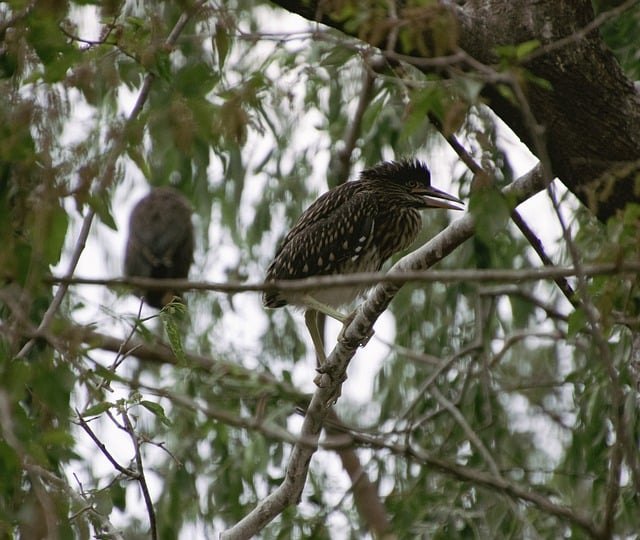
(354, 334)
(105, 179)
(520, 275)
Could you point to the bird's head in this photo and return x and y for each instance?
(410, 180)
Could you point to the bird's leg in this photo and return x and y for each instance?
(315, 305)
(311, 320)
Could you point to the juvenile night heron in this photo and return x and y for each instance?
(160, 243)
(354, 227)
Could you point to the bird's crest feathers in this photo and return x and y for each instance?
(398, 171)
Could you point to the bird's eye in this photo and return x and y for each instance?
(412, 184)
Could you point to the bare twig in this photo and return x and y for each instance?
(470, 433)
(140, 476)
(124, 470)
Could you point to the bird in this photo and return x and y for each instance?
(161, 241)
(354, 227)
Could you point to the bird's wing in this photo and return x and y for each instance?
(325, 237)
(324, 206)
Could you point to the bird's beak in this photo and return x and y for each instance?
(434, 198)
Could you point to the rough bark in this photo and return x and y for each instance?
(589, 122)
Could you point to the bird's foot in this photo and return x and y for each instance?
(347, 321)
(326, 377)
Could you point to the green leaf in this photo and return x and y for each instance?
(98, 409)
(221, 43)
(577, 322)
(118, 496)
(538, 81)
(512, 53)
(523, 49)
(173, 332)
(103, 502)
(101, 206)
(56, 233)
(157, 410)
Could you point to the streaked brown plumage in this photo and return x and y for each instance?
(355, 227)
(160, 243)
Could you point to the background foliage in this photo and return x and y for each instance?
(251, 122)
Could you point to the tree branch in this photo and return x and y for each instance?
(492, 275)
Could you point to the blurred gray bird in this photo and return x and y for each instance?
(160, 243)
(354, 227)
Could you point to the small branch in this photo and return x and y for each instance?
(99, 521)
(514, 290)
(472, 435)
(340, 169)
(504, 486)
(12, 21)
(124, 470)
(141, 477)
(581, 33)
